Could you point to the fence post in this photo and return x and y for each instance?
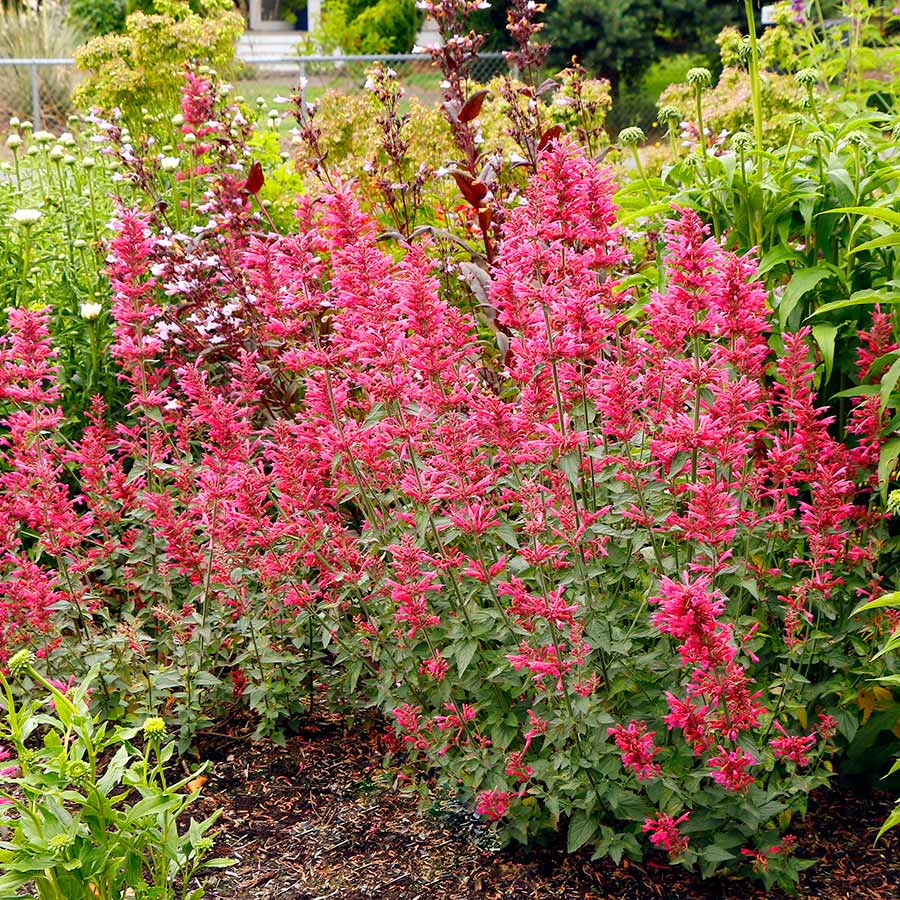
(35, 96)
(303, 89)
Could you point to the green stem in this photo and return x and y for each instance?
(755, 93)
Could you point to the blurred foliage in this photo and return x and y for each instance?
(142, 68)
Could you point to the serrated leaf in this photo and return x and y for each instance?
(582, 828)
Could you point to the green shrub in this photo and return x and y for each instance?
(98, 16)
(390, 26)
(369, 26)
(89, 813)
(46, 32)
(143, 67)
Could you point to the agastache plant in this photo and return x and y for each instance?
(600, 584)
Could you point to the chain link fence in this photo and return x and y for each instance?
(41, 89)
(37, 89)
(316, 75)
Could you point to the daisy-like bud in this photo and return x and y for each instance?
(178, 119)
(56, 153)
(14, 142)
(26, 217)
(59, 843)
(77, 769)
(90, 312)
(88, 162)
(669, 115)
(20, 663)
(807, 78)
(699, 77)
(154, 727)
(631, 137)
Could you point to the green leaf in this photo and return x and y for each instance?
(871, 212)
(860, 298)
(464, 656)
(892, 599)
(775, 257)
(803, 281)
(825, 335)
(888, 383)
(879, 243)
(886, 462)
(581, 829)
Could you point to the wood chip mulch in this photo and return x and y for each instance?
(320, 819)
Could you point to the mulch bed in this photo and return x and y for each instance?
(320, 819)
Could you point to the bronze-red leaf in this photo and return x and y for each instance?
(473, 191)
(472, 107)
(255, 180)
(551, 134)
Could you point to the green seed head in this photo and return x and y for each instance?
(669, 115)
(740, 140)
(699, 77)
(859, 139)
(807, 78)
(59, 843)
(21, 662)
(631, 137)
(204, 845)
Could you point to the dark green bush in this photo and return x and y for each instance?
(98, 16)
(388, 26)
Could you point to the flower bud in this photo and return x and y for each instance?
(59, 843)
(699, 77)
(807, 78)
(631, 137)
(669, 115)
(19, 663)
(154, 727)
(14, 142)
(90, 312)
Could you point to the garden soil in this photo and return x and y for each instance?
(321, 819)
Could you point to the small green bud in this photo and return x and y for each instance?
(807, 78)
(669, 115)
(20, 663)
(59, 843)
(893, 503)
(699, 77)
(204, 845)
(631, 137)
(740, 140)
(154, 727)
(77, 769)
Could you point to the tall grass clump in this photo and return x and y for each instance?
(47, 33)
